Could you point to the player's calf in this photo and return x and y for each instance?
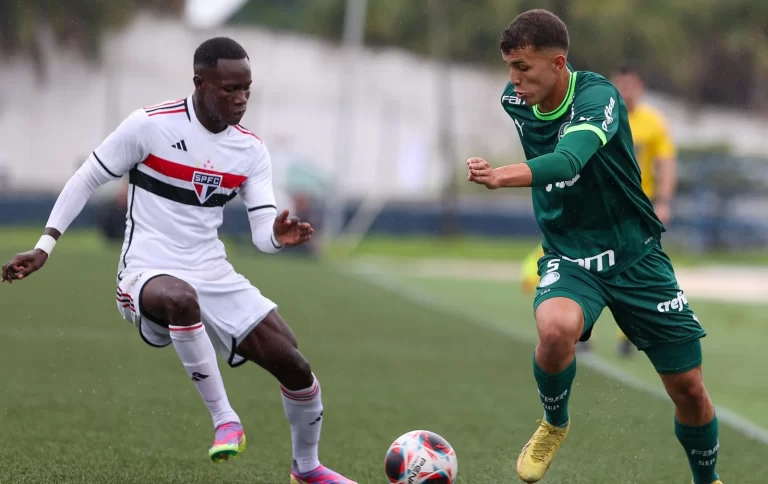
(692, 403)
(560, 322)
(696, 425)
(171, 302)
(273, 346)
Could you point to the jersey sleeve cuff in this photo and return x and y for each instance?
(275, 243)
(588, 127)
(262, 207)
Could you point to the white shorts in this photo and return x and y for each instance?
(230, 307)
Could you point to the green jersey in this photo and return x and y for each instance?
(601, 218)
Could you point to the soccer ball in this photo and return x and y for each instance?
(421, 457)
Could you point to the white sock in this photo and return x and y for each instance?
(304, 409)
(199, 358)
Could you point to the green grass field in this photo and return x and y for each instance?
(84, 400)
(734, 345)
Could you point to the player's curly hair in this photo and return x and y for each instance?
(538, 28)
(209, 52)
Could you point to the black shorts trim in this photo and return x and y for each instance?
(232, 354)
(141, 322)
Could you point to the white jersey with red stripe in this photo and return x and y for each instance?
(181, 176)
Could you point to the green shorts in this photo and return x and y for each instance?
(645, 301)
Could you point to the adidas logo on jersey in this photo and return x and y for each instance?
(181, 145)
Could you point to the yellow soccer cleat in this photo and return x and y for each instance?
(537, 454)
(716, 482)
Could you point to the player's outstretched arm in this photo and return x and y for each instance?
(120, 151)
(269, 232)
(25, 263)
(568, 159)
(68, 206)
(482, 173)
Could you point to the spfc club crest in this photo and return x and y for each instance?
(205, 185)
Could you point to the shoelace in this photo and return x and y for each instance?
(544, 444)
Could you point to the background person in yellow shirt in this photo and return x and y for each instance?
(654, 148)
(656, 154)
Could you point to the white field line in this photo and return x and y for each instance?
(385, 280)
(715, 283)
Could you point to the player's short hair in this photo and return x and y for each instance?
(209, 52)
(538, 28)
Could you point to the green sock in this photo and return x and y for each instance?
(555, 391)
(701, 446)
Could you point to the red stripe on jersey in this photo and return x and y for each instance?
(245, 131)
(186, 173)
(182, 110)
(164, 104)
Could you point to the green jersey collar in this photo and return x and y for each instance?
(563, 105)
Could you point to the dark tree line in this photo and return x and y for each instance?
(709, 51)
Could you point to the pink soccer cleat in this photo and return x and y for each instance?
(321, 475)
(229, 441)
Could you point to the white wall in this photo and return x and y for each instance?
(397, 101)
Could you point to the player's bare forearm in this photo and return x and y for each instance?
(25, 263)
(514, 176)
(509, 176)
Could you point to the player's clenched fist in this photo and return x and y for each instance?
(23, 265)
(482, 173)
(291, 231)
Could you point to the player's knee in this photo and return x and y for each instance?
(688, 389)
(696, 394)
(290, 367)
(559, 328)
(688, 392)
(181, 306)
(301, 366)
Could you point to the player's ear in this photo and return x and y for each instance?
(197, 80)
(560, 61)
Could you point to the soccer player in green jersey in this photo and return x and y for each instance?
(601, 241)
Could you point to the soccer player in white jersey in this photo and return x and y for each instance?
(186, 159)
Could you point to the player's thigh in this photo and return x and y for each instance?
(231, 308)
(565, 279)
(132, 303)
(654, 313)
(167, 299)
